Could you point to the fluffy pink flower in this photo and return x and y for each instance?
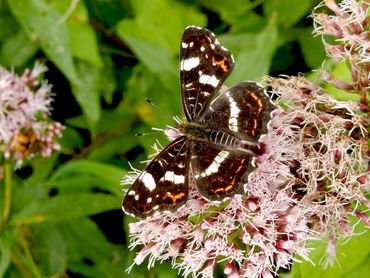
(331, 156)
(24, 108)
(313, 167)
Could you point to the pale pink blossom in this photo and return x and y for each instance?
(314, 166)
(25, 105)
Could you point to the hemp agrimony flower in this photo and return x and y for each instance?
(25, 128)
(310, 179)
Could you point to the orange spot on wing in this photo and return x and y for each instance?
(223, 64)
(173, 199)
(258, 100)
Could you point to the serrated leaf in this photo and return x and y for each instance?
(25, 191)
(40, 22)
(112, 147)
(65, 207)
(5, 254)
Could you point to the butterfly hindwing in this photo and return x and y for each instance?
(243, 110)
(204, 66)
(218, 173)
(163, 185)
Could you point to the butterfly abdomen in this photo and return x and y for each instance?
(223, 139)
(218, 138)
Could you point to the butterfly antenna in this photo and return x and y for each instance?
(160, 109)
(177, 119)
(154, 131)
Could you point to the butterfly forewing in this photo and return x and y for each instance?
(204, 66)
(163, 185)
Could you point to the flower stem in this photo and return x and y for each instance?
(33, 267)
(8, 191)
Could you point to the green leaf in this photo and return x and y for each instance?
(108, 13)
(42, 168)
(8, 24)
(252, 54)
(288, 12)
(157, 59)
(33, 188)
(65, 207)
(112, 147)
(342, 72)
(84, 44)
(350, 254)
(231, 11)
(312, 48)
(362, 270)
(82, 35)
(108, 83)
(49, 249)
(144, 84)
(154, 35)
(41, 23)
(17, 50)
(70, 141)
(160, 22)
(86, 241)
(86, 92)
(7, 245)
(107, 174)
(81, 183)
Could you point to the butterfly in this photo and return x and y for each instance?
(218, 141)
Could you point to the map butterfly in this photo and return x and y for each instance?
(217, 143)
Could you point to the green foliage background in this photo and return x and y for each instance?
(105, 57)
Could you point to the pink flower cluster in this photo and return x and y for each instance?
(331, 161)
(25, 129)
(311, 179)
(346, 38)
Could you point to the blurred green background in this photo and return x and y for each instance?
(104, 58)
